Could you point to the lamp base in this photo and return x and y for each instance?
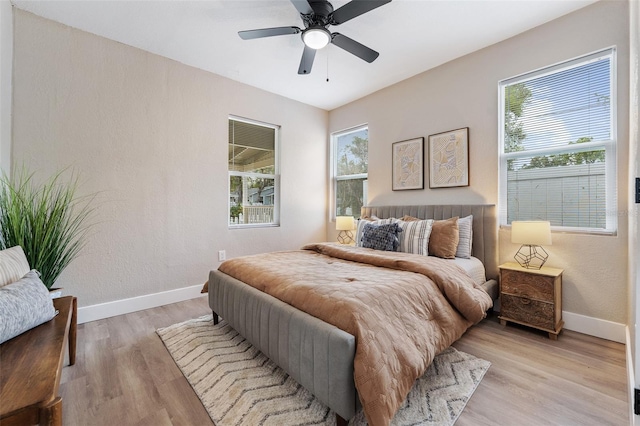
(531, 257)
(345, 237)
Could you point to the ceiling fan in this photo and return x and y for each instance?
(317, 15)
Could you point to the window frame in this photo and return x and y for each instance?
(334, 168)
(609, 146)
(275, 177)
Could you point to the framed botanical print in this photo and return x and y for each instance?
(449, 159)
(408, 164)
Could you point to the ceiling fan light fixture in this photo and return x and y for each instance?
(316, 37)
(317, 16)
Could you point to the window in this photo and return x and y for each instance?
(350, 158)
(253, 173)
(557, 145)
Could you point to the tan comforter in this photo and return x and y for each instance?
(403, 309)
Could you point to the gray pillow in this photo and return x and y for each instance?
(23, 305)
(381, 237)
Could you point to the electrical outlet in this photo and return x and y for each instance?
(222, 255)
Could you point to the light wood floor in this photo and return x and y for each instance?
(124, 376)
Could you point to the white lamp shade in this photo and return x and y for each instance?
(533, 233)
(344, 223)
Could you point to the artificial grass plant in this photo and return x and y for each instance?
(49, 220)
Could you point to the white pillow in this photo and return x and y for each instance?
(13, 265)
(414, 237)
(24, 304)
(465, 230)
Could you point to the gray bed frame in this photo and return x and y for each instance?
(316, 354)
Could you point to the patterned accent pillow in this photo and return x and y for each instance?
(415, 236)
(381, 237)
(465, 231)
(23, 305)
(374, 220)
(13, 265)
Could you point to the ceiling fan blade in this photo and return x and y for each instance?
(302, 6)
(307, 60)
(268, 32)
(355, 8)
(353, 47)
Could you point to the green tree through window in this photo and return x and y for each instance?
(351, 164)
(558, 145)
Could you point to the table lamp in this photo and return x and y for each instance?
(532, 235)
(345, 224)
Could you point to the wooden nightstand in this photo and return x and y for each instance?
(531, 297)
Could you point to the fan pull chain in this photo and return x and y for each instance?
(327, 65)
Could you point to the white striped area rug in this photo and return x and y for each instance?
(238, 385)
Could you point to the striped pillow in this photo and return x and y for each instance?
(465, 230)
(415, 236)
(13, 265)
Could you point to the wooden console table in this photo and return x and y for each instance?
(31, 367)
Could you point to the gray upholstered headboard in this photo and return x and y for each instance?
(485, 227)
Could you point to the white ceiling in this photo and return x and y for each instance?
(412, 36)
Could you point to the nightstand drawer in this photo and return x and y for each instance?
(526, 285)
(529, 311)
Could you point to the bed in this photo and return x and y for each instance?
(316, 353)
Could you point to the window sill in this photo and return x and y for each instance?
(577, 231)
(254, 225)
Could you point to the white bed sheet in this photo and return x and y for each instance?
(474, 268)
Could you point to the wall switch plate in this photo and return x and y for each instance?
(222, 255)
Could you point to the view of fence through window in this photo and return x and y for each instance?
(253, 178)
(351, 163)
(558, 144)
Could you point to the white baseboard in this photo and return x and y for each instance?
(583, 324)
(588, 325)
(125, 306)
(595, 327)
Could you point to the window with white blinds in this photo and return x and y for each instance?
(557, 145)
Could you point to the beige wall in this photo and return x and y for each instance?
(150, 134)
(464, 93)
(6, 57)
